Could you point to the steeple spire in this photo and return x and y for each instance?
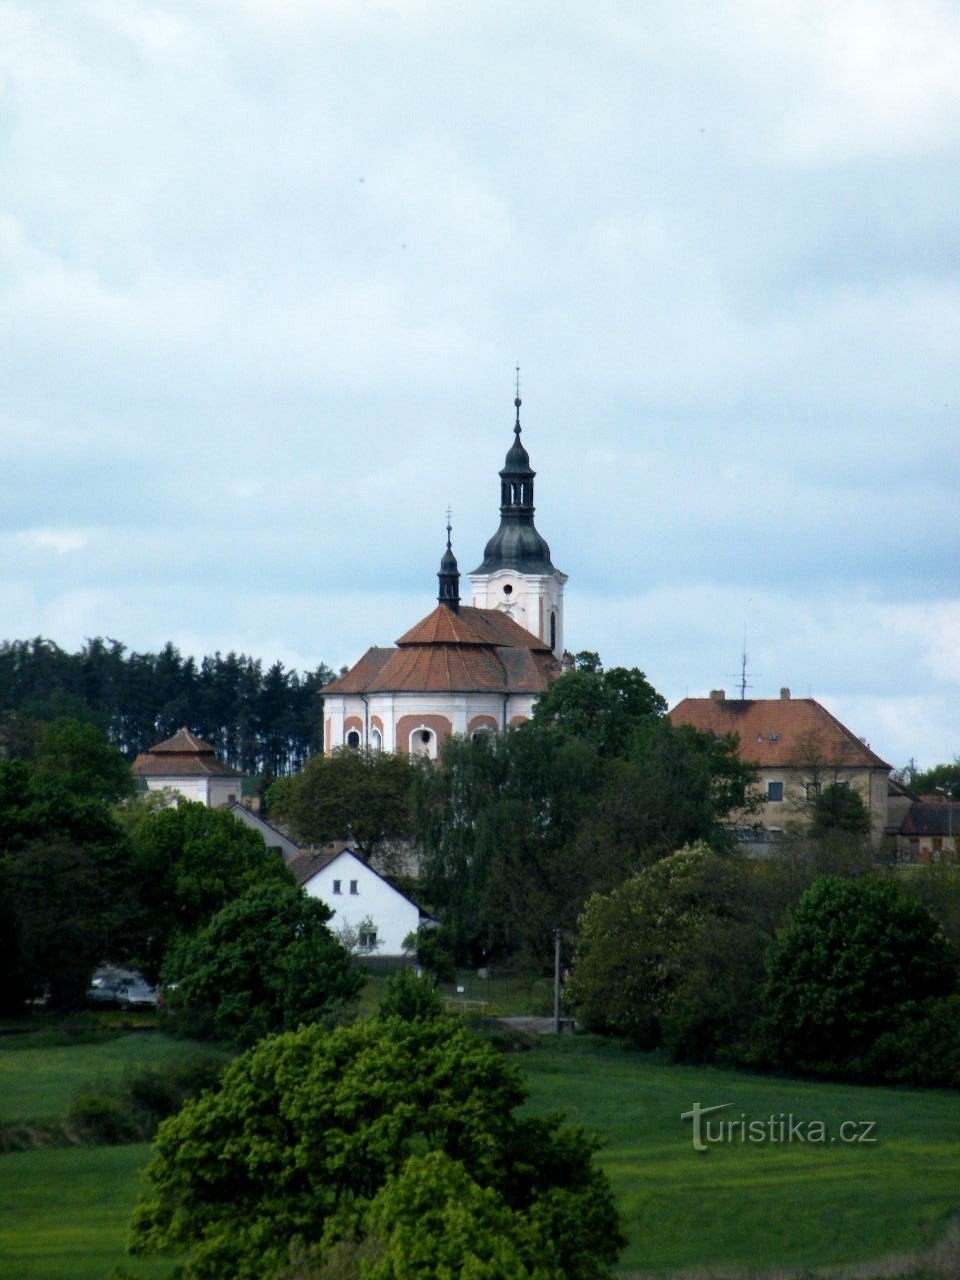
(518, 402)
(449, 575)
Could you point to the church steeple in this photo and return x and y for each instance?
(517, 575)
(449, 575)
(516, 544)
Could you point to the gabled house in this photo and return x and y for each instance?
(188, 766)
(368, 910)
(930, 832)
(798, 748)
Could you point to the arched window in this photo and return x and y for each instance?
(553, 628)
(353, 740)
(423, 742)
(376, 740)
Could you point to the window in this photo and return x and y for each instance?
(376, 740)
(813, 790)
(775, 791)
(336, 886)
(353, 887)
(353, 740)
(367, 938)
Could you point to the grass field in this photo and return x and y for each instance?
(749, 1204)
(64, 1213)
(37, 1082)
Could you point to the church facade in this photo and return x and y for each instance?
(463, 669)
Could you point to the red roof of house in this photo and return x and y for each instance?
(779, 732)
(471, 651)
(182, 756)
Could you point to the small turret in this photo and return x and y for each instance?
(449, 576)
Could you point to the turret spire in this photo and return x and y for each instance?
(449, 575)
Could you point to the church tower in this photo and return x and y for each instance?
(517, 575)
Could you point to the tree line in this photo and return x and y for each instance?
(259, 720)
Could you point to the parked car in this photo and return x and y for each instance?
(127, 988)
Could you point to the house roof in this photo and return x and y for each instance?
(309, 862)
(780, 732)
(183, 755)
(465, 651)
(941, 819)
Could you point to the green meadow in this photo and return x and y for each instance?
(64, 1212)
(755, 1205)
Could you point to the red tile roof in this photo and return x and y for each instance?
(779, 732)
(182, 756)
(473, 651)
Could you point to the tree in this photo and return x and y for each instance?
(855, 952)
(839, 810)
(188, 862)
(602, 706)
(266, 962)
(363, 796)
(673, 954)
(308, 1127)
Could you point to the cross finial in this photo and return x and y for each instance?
(449, 525)
(517, 402)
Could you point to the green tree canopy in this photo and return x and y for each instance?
(839, 810)
(189, 862)
(675, 952)
(361, 796)
(855, 952)
(265, 962)
(518, 829)
(308, 1127)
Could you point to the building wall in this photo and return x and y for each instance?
(796, 808)
(396, 715)
(211, 791)
(393, 915)
(529, 599)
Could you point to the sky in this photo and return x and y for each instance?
(267, 267)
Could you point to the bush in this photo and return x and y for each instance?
(130, 1109)
(409, 997)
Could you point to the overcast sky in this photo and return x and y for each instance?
(266, 267)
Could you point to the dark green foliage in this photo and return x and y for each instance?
(265, 962)
(130, 1109)
(435, 953)
(673, 956)
(920, 1047)
(839, 808)
(409, 997)
(308, 1127)
(363, 796)
(65, 880)
(265, 722)
(518, 829)
(855, 953)
(189, 862)
(942, 778)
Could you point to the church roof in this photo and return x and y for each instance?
(470, 651)
(779, 732)
(183, 755)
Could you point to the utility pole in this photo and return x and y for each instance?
(556, 981)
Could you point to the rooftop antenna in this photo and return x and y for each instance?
(741, 675)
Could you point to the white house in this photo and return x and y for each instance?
(187, 765)
(363, 902)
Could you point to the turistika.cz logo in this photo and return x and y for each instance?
(711, 1129)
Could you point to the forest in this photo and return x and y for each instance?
(260, 721)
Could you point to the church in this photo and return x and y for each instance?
(463, 669)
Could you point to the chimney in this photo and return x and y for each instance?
(717, 695)
(785, 695)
